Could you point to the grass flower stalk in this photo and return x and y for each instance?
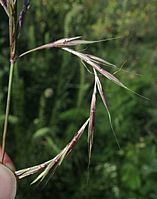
(15, 25)
(11, 8)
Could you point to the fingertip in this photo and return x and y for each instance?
(8, 183)
(7, 161)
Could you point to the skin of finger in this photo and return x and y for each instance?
(7, 161)
(8, 183)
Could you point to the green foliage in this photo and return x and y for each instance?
(51, 96)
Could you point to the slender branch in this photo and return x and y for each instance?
(7, 108)
(12, 9)
(34, 49)
(65, 42)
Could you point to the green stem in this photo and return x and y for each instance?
(7, 108)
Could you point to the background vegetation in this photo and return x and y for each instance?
(52, 91)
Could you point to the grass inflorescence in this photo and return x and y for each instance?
(16, 23)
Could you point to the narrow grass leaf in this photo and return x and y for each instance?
(112, 78)
(102, 71)
(101, 92)
(73, 41)
(31, 170)
(21, 17)
(51, 166)
(91, 125)
(61, 156)
(89, 61)
(98, 60)
(53, 163)
(65, 42)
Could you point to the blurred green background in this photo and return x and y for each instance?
(51, 99)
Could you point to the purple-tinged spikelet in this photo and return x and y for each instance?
(4, 3)
(21, 17)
